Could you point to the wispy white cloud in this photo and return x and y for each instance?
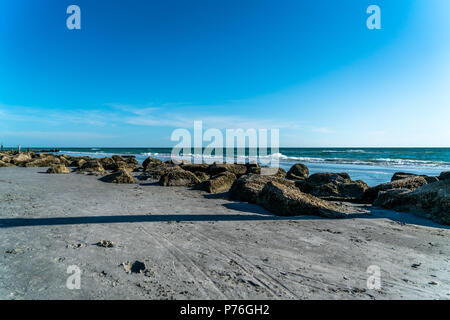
(59, 135)
(148, 115)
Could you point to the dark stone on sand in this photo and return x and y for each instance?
(221, 182)
(410, 183)
(247, 187)
(333, 186)
(237, 169)
(267, 171)
(430, 201)
(196, 167)
(58, 169)
(403, 175)
(92, 167)
(179, 178)
(121, 176)
(151, 162)
(444, 175)
(283, 200)
(5, 164)
(46, 161)
(298, 172)
(202, 176)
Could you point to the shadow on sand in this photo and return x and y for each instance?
(257, 214)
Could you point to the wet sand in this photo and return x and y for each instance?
(200, 246)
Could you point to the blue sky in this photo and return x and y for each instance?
(137, 70)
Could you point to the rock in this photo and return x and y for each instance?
(430, 201)
(333, 186)
(298, 172)
(177, 162)
(108, 163)
(5, 164)
(237, 169)
(92, 167)
(6, 158)
(267, 171)
(21, 158)
(219, 183)
(156, 172)
(196, 167)
(78, 163)
(252, 166)
(58, 169)
(151, 162)
(247, 187)
(121, 176)
(284, 200)
(179, 178)
(124, 165)
(410, 183)
(105, 244)
(444, 175)
(403, 175)
(47, 161)
(118, 158)
(135, 267)
(202, 176)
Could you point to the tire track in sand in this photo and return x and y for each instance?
(184, 260)
(261, 277)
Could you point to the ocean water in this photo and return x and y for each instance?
(372, 165)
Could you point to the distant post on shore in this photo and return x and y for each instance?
(2, 148)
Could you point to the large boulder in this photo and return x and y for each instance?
(5, 164)
(92, 167)
(150, 161)
(267, 171)
(125, 165)
(430, 201)
(58, 169)
(21, 158)
(46, 161)
(252, 166)
(108, 163)
(121, 176)
(179, 178)
(298, 172)
(202, 176)
(219, 183)
(333, 186)
(77, 162)
(403, 175)
(237, 169)
(196, 167)
(248, 187)
(410, 183)
(157, 171)
(444, 175)
(283, 200)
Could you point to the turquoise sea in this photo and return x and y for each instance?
(373, 165)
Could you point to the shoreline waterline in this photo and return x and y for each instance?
(372, 165)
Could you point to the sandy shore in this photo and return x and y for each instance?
(201, 246)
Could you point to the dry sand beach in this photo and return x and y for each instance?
(190, 244)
